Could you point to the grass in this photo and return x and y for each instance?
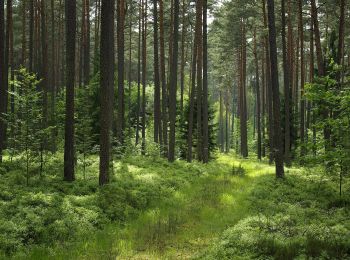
(155, 210)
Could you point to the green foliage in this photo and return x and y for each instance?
(183, 131)
(331, 110)
(240, 171)
(29, 132)
(289, 219)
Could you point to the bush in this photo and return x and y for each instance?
(240, 171)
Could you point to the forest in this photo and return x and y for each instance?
(175, 129)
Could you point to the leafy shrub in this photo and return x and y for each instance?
(240, 171)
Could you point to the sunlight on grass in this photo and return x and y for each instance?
(157, 210)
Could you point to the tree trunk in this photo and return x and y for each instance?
(3, 89)
(173, 82)
(131, 10)
(268, 88)
(70, 80)
(192, 98)
(107, 88)
(243, 100)
(144, 77)
(340, 54)
(139, 75)
(258, 98)
(199, 14)
(121, 105)
(163, 80)
(31, 34)
(86, 42)
(278, 150)
(302, 80)
(24, 40)
(53, 77)
(157, 112)
(205, 85)
(183, 61)
(286, 78)
(44, 67)
(221, 124)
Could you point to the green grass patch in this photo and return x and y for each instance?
(227, 209)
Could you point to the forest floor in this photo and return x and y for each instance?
(228, 209)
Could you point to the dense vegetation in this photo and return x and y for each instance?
(174, 129)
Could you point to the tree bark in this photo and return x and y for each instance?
(205, 85)
(86, 42)
(243, 100)
(192, 98)
(144, 77)
(121, 57)
(157, 112)
(139, 75)
(107, 88)
(286, 78)
(70, 82)
(163, 80)
(183, 61)
(44, 66)
(278, 150)
(173, 81)
(258, 98)
(199, 14)
(3, 89)
(31, 34)
(302, 80)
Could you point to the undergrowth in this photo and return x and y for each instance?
(228, 209)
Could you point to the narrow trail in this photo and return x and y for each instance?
(181, 226)
(197, 215)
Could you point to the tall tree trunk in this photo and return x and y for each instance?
(221, 124)
(3, 89)
(97, 29)
(258, 98)
(139, 74)
(7, 66)
(205, 85)
(163, 80)
(107, 88)
(31, 34)
(53, 77)
(144, 77)
(173, 81)
(278, 150)
(24, 40)
(11, 56)
(268, 88)
(302, 80)
(243, 100)
(340, 54)
(192, 97)
(183, 61)
(131, 10)
(263, 106)
(86, 42)
(286, 78)
(199, 11)
(227, 123)
(157, 112)
(121, 104)
(70, 80)
(44, 68)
